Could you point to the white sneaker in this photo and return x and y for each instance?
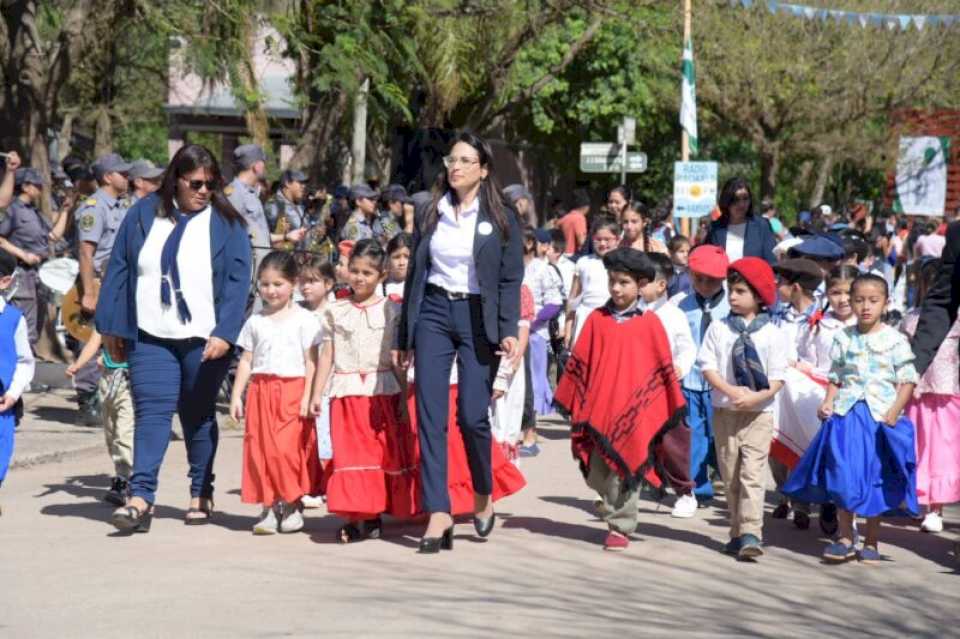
(932, 523)
(685, 507)
(292, 520)
(267, 524)
(309, 501)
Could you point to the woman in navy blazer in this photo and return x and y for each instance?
(736, 207)
(182, 368)
(461, 298)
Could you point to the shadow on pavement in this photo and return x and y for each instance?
(53, 414)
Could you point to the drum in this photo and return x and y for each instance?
(59, 275)
(77, 323)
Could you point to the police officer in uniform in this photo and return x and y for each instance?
(250, 163)
(145, 178)
(367, 222)
(98, 220)
(23, 234)
(288, 201)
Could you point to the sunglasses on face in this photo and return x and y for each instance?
(196, 185)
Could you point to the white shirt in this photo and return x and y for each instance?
(716, 354)
(567, 270)
(451, 247)
(26, 364)
(814, 343)
(196, 281)
(278, 344)
(735, 235)
(545, 286)
(682, 347)
(594, 287)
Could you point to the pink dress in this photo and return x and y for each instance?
(935, 410)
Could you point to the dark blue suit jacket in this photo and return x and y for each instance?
(499, 265)
(230, 254)
(758, 239)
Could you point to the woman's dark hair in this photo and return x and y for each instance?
(624, 192)
(676, 242)
(187, 160)
(729, 193)
(282, 262)
(370, 249)
(399, 241)
(870, 278)
(640, 209)
(844, 273)
(925, 274)
(529, 240)
(318, 267)
(490, 192)
(607, 222)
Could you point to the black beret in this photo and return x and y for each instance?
(632, 261)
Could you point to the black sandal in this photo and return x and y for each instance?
(372, 528)
(132, 519)
(205, 508)
(349, 533)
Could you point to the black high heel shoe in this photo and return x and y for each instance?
(433, 545)
(484, 526)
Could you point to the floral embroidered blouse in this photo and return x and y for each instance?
(942, 377)
(869, 367)
(361, 337)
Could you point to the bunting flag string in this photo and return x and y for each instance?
(890, 21)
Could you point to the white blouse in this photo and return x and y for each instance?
(278, 343)
(451, 247)
(594, 288)
(196, 281)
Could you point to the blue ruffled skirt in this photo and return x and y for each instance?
(860, 465)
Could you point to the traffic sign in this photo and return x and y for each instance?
(604, 157)
(694, 188)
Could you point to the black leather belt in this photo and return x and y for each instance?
(450, 295)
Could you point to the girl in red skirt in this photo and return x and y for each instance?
(373, 470)
(280, 463)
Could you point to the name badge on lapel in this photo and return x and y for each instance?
(484, 228)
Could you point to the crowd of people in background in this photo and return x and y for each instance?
(391, 352)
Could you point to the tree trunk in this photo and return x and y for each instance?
(254, 114)
(103, 132)
(820, 186)
(769, 169)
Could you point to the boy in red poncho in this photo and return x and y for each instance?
(624, 400)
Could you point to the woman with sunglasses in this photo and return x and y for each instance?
(738, 230)
(171, 304)
(461, 298)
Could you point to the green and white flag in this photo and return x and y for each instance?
(922, 175)
(688, 108)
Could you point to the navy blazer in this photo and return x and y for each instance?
(230, 254)
(758, 238)
(499, 267)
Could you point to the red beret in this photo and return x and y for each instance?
(709, 260)
(760, 276)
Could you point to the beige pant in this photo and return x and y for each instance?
(742, 440)
(117, 410)
(619, 509)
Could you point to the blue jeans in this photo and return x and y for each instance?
(446, 328)
(702, 455)
(167, 376)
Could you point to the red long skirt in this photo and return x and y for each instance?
(279, 447)
(376, 461)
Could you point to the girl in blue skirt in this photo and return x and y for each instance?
(863, 457)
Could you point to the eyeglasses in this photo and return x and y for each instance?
(450, 161)
(196, 185)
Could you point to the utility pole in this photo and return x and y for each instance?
(358, 147)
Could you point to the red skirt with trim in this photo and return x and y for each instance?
(376, 461)
(279, 447)
(374, 469)
(507, 478)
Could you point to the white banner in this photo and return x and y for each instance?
(922, 176)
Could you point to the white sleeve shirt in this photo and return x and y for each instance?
(716, 354)
(26, 364)
(451, 247)
(682, 347)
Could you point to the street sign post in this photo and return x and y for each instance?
(606, 157)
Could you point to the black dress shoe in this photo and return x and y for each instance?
(433, 545)
(484, 526)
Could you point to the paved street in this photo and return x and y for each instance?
(542, 572)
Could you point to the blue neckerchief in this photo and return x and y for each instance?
(170, 270)
(747, 367)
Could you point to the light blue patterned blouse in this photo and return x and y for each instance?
(869, 367)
